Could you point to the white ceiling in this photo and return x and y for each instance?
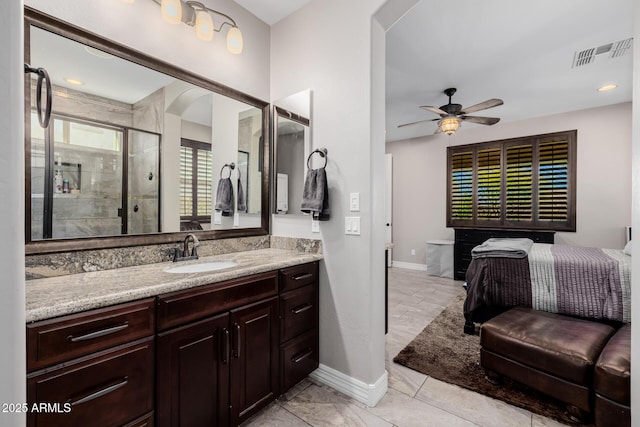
(272, 11)
(521, 52)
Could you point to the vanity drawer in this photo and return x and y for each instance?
(181, 307)
(111, 389)
(57, 340)
(298, 311)
(298, 276)
(299, 357)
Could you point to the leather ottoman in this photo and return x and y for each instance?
(612, 381)
(548, 352)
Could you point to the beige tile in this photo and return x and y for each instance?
(475, 407)
(274, 415)
(403, 379)
(322, 406)
(296, 389)
(540, 421)
(404, 411)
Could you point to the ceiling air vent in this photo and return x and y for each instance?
(614, 50)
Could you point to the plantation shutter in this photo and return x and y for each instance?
(186, 181)
(519, 183)
(523, 182)
(461, 186)
(553, 179)
(195, 180)
(204, 183)
(489, 185)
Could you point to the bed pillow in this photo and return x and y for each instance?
(627, 248)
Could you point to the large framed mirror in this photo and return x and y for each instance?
(137, 149)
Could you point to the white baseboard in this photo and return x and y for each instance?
(369, 394)
(409, 265)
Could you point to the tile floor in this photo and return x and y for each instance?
(413, 399)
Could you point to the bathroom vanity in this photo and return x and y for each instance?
(148, 360)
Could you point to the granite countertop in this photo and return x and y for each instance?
(57, 296)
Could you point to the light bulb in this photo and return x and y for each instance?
(204, 25)
(171, 11)
(234, 40)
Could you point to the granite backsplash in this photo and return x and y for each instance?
(64, 263)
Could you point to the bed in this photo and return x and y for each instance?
(578, 281)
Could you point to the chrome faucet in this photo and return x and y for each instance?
(184, 254)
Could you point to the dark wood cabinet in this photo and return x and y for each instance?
(212, 355)
(254, 358)
(193, 374)
(222, 369)
(299, 342)
(467, 238)
(93, 368)
(108, 389)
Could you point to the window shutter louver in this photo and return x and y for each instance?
(489, 185)
(552, 181)
(186, 181)
(462, 186)
(519, 183)
(204, 183)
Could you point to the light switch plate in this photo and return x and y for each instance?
(352, 225)
(217, 218)
(354, 202)
(315, 226)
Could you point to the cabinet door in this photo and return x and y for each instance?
(254, 358)
(193, 374)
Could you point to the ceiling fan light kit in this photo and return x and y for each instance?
(452, 115)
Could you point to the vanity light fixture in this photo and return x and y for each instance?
(449, 125)
(199, 16)
(607, 88)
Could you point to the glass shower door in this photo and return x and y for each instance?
(143, 188)
(86, 179)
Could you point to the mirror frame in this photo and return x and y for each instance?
(46, 22)
(281, 112)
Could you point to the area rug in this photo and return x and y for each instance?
(443, 351)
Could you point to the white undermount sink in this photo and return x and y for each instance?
(202, 267)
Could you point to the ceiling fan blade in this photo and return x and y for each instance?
(490, 103)
(481, 120)
(415, 123)
(433, 109)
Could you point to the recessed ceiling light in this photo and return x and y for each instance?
(97, 52)
(606, 88)
(73, 81)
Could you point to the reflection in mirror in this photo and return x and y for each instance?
(133, 151)
(292, 146)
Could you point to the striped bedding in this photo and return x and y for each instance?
(578, 281)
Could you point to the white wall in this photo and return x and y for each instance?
(12, 352)
(603, 178)
(326, 46)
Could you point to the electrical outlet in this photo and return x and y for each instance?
(413, 251)
(315, 226)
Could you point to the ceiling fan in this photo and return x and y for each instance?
(451, 115)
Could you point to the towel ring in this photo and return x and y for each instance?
(323, 154)
(231, 167)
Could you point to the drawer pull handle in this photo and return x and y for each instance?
(226, 346)
(301, 357)
(99, 393)
(236, 350)
(304, 276)
(100, 333)
(301, 308)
